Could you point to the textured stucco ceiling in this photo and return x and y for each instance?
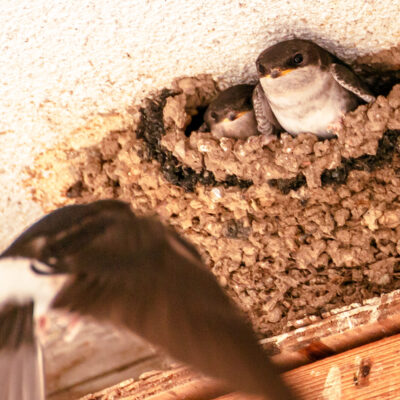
(66, 62)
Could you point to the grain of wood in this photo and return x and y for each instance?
(177, 383)
(371, 371)
(348, 327)
(368, 372)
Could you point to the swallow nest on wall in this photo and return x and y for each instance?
(294, 228)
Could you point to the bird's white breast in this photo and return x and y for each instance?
(19, 283)
(307, 100)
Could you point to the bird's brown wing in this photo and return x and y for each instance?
(267, 124)
(350, 81)
(176, 304)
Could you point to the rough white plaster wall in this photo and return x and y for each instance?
(64, 61)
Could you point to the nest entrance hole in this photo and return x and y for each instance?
(196, 122)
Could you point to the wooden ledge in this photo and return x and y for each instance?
(371, 371)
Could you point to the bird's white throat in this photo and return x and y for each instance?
(297, 86)
(19, 283)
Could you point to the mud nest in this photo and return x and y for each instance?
(292, 228)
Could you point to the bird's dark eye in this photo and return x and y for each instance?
(231, 116)
(214, 115)
(261, 69)
(248, 103)
(298, 58)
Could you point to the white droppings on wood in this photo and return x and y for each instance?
(333, 385)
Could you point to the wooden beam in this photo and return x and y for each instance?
(371, 371)
(178, 383)
(343, 329)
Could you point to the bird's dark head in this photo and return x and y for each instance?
(231, 113)
(66, 231)
(285, 57)
(229, 105)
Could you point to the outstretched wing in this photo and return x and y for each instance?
(140, 275)
(350, 81)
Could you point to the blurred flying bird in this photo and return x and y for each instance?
(136, 273)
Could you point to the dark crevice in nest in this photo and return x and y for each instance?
(151, 129)
(75, 190)
(286, 185)
(381, 82)
(387, 146)
(197, 121)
